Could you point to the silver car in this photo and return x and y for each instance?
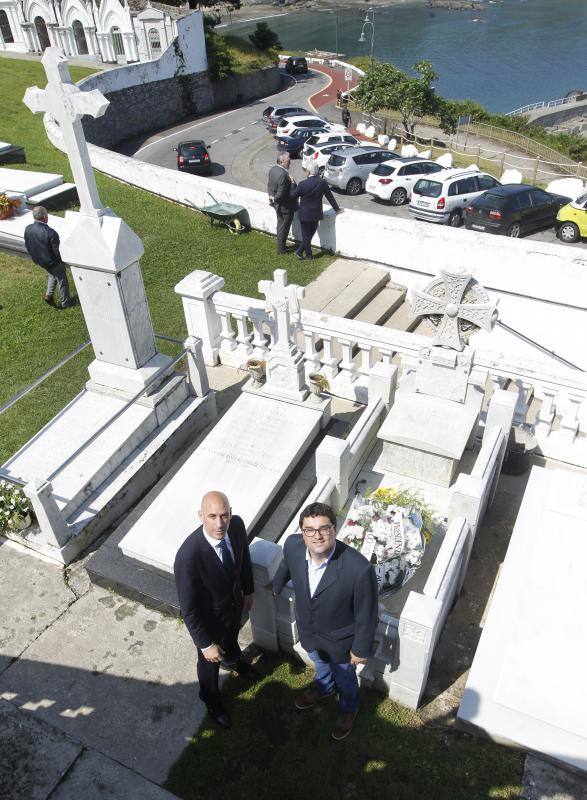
(349, 169)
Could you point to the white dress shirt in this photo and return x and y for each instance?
(316, 571)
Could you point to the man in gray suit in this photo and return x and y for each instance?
(278, 189)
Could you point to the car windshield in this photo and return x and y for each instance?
(491, 200)
(192, 150)
(336, 161)
(428, 188)
(384, 169)
(581, 201)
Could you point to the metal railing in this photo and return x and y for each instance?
(542, 104)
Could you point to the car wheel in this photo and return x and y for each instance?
(398, 197)
(354, 186)
(514, 230)
(455, 220)
(569, 232)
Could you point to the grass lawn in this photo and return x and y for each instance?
(275, 752)
(177, 241)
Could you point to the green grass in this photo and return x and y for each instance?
(177, 241)
(246, 55)
(274, 751)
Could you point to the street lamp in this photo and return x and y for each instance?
(369, 20)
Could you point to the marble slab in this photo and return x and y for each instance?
(4, 146)
(27, 182)
(526, 684)
(247, 455)
(12, 229)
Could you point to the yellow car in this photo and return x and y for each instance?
(572, 220)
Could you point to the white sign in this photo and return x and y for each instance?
(348, 75)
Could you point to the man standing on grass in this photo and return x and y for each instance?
(214, 581)
(336, 610)
(42, 244)
(279, 184)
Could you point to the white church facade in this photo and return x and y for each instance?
(110, 31)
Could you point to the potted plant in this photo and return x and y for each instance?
(318, 384)
(6, 207)
(255, 368)
(15, 508)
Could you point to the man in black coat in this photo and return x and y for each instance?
(42, 244)
(311, 193)
(336, 609)
(214, 581)
(279, 184)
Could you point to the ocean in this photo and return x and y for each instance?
(502, 54)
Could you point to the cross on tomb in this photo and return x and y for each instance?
(451, 308)
(284, 300)
(68, 104)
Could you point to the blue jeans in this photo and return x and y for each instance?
(343, 677)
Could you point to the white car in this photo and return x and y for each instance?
(394, 180)
(289, 124)
(443, 197)
(320, 153)
(332, 137)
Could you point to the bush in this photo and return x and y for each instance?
(264, 38)
(221, 62)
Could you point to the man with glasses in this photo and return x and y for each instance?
(336, 610)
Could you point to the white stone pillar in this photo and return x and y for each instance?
(106, 46)
(382, 383)
(54, 529)
(198, 378)
(202, 320)
(265, 558)
(90, 32)
(130, 45)
(333, 460)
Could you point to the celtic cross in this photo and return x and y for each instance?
(68, 104)
(284, 300)
(444, 297)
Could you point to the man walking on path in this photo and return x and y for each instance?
(279, 185)
(336, 609)
(311, 192)
(215, 586)
(346, 118)
(42, 244)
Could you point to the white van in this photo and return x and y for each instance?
(443, 197)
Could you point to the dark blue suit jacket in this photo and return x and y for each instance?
(342, 616)
(210, 599)
(311, 193)
(42, 244)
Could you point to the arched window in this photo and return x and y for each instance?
(80, 38)
(117, 41)
(41, 28)
(5, 29)
(154, 43)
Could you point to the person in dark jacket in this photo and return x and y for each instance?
(214, 580)
(42, 244)
(279, 185)
(336, 609)
(311, 193)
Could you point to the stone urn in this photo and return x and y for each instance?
(256, 369)
(317, 384)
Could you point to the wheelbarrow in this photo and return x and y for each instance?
(235, 218)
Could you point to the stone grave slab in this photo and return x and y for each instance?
(12, 230)
(526, 682)
(247, 455)
(26, 182)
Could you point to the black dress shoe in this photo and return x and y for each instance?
(299, 255)
(247, 671)
(220, 716)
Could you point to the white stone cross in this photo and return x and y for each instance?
(452, 309)
(284, 301)
(66, 103)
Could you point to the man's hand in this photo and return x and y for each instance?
(248, 603)
(214, 653)
(357, 660)
(269, 587)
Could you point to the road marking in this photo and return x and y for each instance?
(214, 141)
(330, 80)
(226, 135)
(238, 130)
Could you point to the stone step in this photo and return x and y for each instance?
(402, 320)
(380, 308)
(51, 194)
(328, 286)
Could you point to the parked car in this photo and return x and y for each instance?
(348, 169)
(513, 209)
(333, 138)
(296, 65)
(319, 154)
(443, 197)
(273, 115)
(289, 124)
(572, 220)
(394, 180)
(193, 156)
(294, 144)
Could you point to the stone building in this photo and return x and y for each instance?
(114, 31)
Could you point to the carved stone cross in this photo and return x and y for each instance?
(284, 301)
(66, 103)
(444, 297)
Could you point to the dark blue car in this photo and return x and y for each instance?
(294, 144)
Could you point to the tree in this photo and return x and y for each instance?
(264, 38)
(385, 86)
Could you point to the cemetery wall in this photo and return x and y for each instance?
(542, 287)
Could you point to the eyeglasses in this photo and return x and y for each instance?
(325, 530)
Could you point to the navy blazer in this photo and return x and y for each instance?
(342, 615)
(42, 244)
(210, 599)
(311, 193)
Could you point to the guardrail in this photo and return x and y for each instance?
(543, 104)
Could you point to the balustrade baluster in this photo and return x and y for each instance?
(328, 360)
(347, 366)
(570, 417)
(546, 412)
(260, 340)
(366, 358)
(311, 355)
